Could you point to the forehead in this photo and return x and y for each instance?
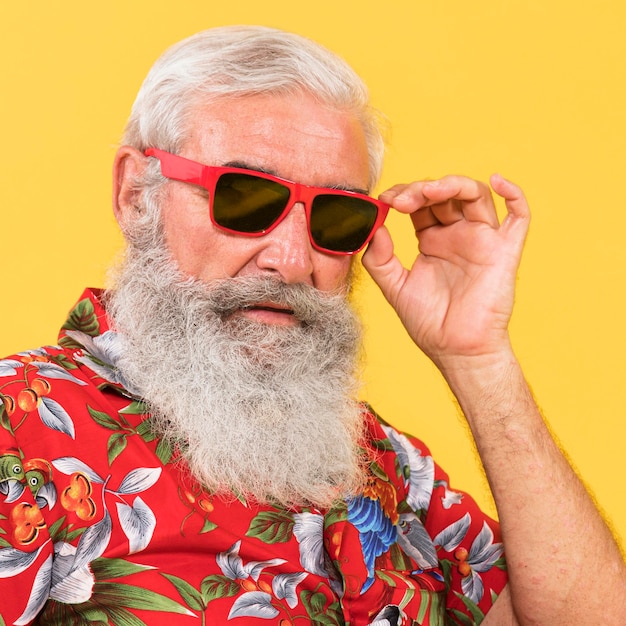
(293, 136)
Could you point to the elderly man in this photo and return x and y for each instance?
(193, 451)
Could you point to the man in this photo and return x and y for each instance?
(193, 452)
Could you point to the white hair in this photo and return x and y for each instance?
(234, 61)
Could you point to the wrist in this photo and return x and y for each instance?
(486, 384)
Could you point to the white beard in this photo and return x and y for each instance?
(257, 410)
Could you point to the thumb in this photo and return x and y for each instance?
(383, 265)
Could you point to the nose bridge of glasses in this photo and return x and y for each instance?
(298, 194)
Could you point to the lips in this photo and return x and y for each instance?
(270, 313)
(269, 306)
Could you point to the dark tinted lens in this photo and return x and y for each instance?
(342, 223)
(247, 203)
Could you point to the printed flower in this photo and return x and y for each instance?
(449, 498)
(256, 601)
(418, 471)
(77, 497)
(308, 530)
(101, 354)
(27, 521)
(482, 555)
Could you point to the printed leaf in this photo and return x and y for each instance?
(446, 571)
(473, 587)
(138, 523)
(378, 471)
(449, 538)
(105, 568)
(83, 318)
(95, 614)
(163, 451)
(255, 568)
(230, 562)
(217, 586)
(484, 553)
(475, 611)
(54, 416)
(70, 464)
(501, 563)
(103, 419)
(63, 362)
(314, 603)
(38, 594)
(8, 367)
(115, 446)
(14, 561)
(417, 469)
(132, 597)
(135, 408)
(144, 430)
(398, 558)
(308, 530)
(74, 534)
(54, 530)
(463, 619)
(271, 527)
(253, 604)
(70, 585)
(93, 542)
(5, 422)
(139, 480)
(52, 370)
(336, 514)
(424, 604)
(284, 587)
(192, 597)
(121, 617)
(208, 526)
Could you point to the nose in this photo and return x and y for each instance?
(287, 249)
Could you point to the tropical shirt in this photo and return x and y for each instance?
(100, 523)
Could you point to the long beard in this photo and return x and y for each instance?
(256, 410)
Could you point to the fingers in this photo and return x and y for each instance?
(514, 198)
(444, 201)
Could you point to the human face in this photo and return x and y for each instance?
(294, 137)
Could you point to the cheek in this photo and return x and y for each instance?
(332, 272)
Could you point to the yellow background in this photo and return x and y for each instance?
(530, 88)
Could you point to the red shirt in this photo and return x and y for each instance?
(98, 518)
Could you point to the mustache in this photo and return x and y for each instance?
(309, 305)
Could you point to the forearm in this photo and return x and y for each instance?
(564, 565)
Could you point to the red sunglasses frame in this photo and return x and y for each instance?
(185, 170)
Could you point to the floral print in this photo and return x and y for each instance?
(101, 524)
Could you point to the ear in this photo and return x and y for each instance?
(128, 166)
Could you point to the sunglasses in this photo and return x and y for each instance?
(251, 203)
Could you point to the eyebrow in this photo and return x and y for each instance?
(246, 166)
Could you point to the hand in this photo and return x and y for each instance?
(457, 299)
